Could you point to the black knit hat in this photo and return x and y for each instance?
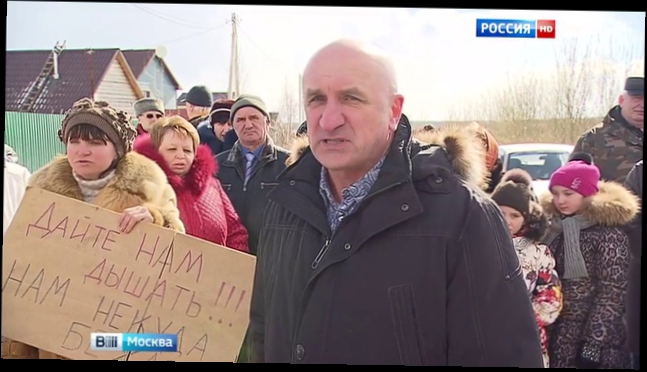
(220, 111)
(515, 191)
(199, 96)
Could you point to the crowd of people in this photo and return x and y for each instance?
(376, 243)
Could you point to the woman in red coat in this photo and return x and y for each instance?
(206, 211)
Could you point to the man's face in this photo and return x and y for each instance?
(148, 118)
(633, 109)
(189, 108)
(251, 126)
(221, 129)
(351, 114)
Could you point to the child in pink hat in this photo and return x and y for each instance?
(591, 253)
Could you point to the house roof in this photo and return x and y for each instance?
(214, 95)
(139, 59)
(74, 83)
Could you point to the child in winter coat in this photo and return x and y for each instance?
(591, 251)
(527, 224)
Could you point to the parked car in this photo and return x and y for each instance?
(540, 160)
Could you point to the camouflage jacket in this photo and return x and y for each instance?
(614, 144)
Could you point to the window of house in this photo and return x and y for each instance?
(147, 93)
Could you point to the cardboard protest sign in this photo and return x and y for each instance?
(67, 272)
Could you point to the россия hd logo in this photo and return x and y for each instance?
(515, 28)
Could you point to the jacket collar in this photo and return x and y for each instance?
(395, 169)
(269, 152)
(617, 125)
(612, 206)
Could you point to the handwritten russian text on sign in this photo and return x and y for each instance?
(68, 272)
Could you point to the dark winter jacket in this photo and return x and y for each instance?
(208, 137)
(423, 273)
(250, 200)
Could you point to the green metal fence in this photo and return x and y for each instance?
(33, 137)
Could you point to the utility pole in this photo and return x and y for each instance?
(91, 60)
(300, 99)
(234, 83)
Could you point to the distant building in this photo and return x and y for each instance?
(153, 75)
(42, 81)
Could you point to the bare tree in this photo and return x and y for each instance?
(573, 86)
(615, 60)
(519, 99)
(284, 127)
(458, 113)
(559, 105)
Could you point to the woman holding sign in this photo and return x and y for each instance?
(205, 209)
(100, 168)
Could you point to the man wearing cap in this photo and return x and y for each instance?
(148, 111)
(198, 103)
(616, 144)
(248, 171)
(217, 132)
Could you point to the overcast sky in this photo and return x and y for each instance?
(438, 58)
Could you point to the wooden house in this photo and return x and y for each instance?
(153, 76)
(49, 82)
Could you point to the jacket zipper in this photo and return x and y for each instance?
(324, 249)
(321, 253)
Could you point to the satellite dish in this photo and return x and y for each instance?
(161, 51)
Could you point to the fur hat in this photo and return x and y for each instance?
(149, 104)
(579, 175)
(515, 191)
(114, 123)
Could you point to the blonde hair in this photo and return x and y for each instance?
(176, 124)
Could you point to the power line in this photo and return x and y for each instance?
(167, 18)
(193, 34)
(261, 49)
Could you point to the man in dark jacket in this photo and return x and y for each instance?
(634, 182)
(375, 249)
(248, 171)
(617, 143)
(217, 132)
(198, 103)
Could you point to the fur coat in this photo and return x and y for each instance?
(458, 141)
(594, 307)
(138, 181)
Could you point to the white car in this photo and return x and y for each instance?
(540, 160)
